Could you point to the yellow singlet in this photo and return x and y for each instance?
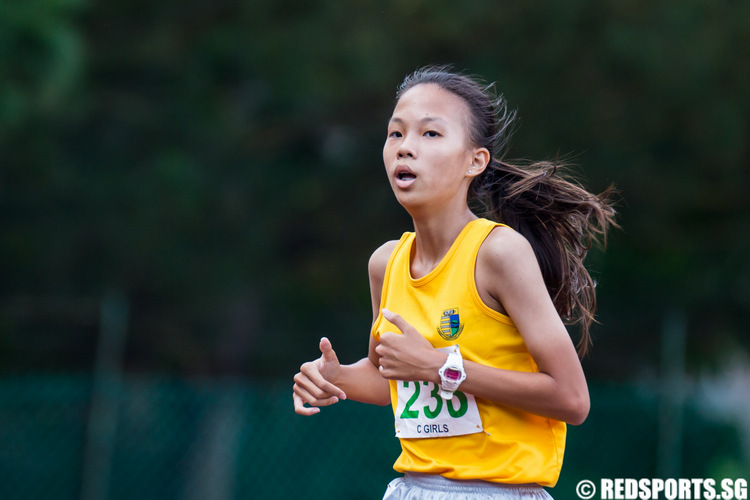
(467, 437)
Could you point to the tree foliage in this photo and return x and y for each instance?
(220, 163)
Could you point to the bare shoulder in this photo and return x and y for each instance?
(508, 276)
(505, 250)
(379, 259)
(376, 268)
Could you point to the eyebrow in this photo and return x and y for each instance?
(426, 119)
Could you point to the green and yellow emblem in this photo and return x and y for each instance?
(450, 324)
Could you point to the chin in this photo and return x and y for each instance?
(411, 205)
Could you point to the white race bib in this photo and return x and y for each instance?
(422, 413)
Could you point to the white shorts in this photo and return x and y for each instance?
(416, 486)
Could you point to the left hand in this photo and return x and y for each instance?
(408, 356)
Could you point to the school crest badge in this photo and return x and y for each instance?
(450, 324)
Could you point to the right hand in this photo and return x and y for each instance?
(313, 384)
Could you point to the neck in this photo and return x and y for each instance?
(434, 236)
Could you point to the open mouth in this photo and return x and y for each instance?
(405, 176)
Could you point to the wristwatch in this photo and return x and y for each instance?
(451, 375)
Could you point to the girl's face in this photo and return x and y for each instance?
(428, 153)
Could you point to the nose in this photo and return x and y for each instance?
(406, 148)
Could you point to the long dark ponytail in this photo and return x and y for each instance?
(560, 218)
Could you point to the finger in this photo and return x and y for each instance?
(389, 336)
(307, 397)
(308, 390)
(398, 321)
(300, 408)
(386, 372)
(317, 386)
(314, 381)
(381, 350)
(329, 355)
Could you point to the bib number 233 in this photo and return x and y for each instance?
(422, 413)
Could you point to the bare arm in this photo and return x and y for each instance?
(324, 382)
(510, 281)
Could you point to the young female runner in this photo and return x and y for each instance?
(468, 341)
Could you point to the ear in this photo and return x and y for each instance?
(479, 161)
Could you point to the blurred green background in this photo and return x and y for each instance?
(190, 192)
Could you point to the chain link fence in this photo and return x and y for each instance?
(191, 439)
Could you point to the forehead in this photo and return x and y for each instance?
(430, 101)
